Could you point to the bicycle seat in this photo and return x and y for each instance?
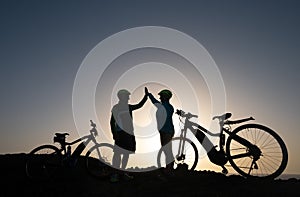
(224, 116)
(61, 134)
(60, 137)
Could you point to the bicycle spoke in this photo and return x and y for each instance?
(273, 143)
(271, 157)
(235, 149)
(265, 167)
(267, 160)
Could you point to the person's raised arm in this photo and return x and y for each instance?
(153, 100)
(142, 102)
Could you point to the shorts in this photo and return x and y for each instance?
(125, 141)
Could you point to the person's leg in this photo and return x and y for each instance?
(116, 162)
(167, 148)
(169, 152)
(124, 161)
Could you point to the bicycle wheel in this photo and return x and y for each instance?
(189, 155)
(268, 161)
(98, 160)
(42, 162)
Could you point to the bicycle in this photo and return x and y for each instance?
(253, 150)
(44, 161)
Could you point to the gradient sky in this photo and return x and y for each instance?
(255, 44)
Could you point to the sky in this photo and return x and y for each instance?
(254, 44)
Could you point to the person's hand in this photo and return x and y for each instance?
(146, 91)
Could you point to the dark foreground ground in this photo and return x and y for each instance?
(75, 182)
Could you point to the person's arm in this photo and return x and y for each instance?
(113, 126)
(140, 104)
(153, 100)
(112, 123)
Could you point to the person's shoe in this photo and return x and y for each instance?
(114, 178)
(127, 177)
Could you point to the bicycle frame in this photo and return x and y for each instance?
(188, 125)
(85, 140)
(196, 128)
(218, 157)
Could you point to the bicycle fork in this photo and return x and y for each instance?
(180, 154)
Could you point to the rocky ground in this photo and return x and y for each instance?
(76, 182)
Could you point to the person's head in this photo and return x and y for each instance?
(165, 95)
(123, 95)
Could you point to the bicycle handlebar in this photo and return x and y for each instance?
(93, 124)
(93, 130)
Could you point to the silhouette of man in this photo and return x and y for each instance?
(121, 124)
(165, 125)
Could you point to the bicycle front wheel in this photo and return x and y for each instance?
(186, 153)
(269, 157)
(98, 160)
(42, 162)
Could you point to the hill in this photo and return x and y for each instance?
(76, 182)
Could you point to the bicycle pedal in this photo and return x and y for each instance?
(224, 171)
(255, 166)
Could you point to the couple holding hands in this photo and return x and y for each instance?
(121, 124)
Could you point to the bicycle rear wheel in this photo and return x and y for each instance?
(188, 156)
(42, 162)
(268, 161)
(98, 160)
